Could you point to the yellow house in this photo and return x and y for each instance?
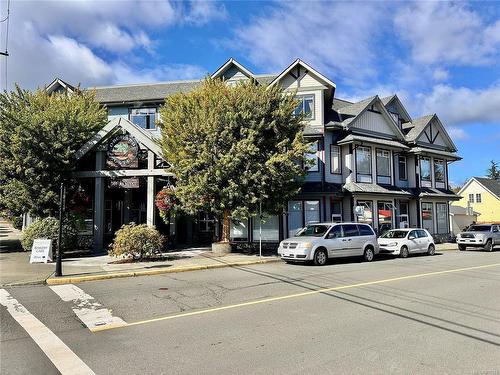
(483, 196)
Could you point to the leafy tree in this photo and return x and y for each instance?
(232, 148)
(39, 133)
(493, 171)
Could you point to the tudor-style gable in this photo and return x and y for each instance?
(395, 107)
(428, 131)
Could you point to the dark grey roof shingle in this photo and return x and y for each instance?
(355, 109)
(385, 100)
(490, 184)
(417, 126)
(360, 187)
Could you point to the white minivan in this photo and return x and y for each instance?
(404, 242)
(318, 242)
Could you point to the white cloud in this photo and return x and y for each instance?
(337, 38)
(458, 106)
(440, 74)
(445, 32)
(95, 42)
(457, 133)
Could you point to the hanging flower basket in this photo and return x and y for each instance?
(166, 202)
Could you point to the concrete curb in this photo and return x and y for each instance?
(79, 279)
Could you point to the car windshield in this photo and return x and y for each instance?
(479, 228)
(313, 231)
(395, 234)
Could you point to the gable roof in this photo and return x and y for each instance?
(142, 136)
(226, 66)
(459, 210)
(357, 109)
(308, 69)
(391, 98)
(493, 186)
(56, 83)
(419, 126)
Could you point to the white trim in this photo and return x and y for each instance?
(122, 173)
(58, 82)
(308, 67)
(484, 187)
(395, 96)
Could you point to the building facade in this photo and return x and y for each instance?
(483, 196)
(372, 162)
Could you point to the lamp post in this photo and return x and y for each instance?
(59, 236)
(260, 228)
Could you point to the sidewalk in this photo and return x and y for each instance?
(15, 268)
(9, 237)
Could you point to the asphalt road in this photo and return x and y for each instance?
(432, 315)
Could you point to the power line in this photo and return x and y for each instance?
(6, 53)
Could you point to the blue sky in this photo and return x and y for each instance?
(439, 57)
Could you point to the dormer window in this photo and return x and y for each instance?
(144, 117)
(306, 106)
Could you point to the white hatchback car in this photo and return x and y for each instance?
(404, 242)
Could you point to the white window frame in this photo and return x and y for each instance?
(439, 161)
(471, 198)
(430, 169)
(478, 198)
(148, 112)
(386, 154)
(370, 174)
(312, 114)
(338, 154)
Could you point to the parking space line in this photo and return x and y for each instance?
(290, 296)
(86, 308)
(63, 358)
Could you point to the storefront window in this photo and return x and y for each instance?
(384, 216)
(311, 212)
(402, 216)
(364, 212)
(270, 228)
(336, 211)
(427, 217)
(442, 215)
(239, 230)
(363, 164)
(294, 217)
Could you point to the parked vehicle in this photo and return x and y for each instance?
(404, 242)
(486, 236)
(318, 242)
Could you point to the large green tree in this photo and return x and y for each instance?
(233, 147)
(493, 171)
(39, 134)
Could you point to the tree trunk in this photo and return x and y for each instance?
(226, 227)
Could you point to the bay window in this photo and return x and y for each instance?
(402, 167)
(383, 166)
(363, 164)
(438, 170)
(425, 169)
(335, 166)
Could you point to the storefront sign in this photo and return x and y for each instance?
(124, 183)
(123, 152)
(41, 251)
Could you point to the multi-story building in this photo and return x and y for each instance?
(372, 162)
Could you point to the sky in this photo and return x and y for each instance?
(439, 57)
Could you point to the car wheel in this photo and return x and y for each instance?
(320, 257)
(489, 246)
(431, 250)
(368, 254)
(462, 247)
(403, 253)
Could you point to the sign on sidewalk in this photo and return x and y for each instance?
(41, 251)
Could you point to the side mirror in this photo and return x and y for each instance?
(412, 237)
(331, 235)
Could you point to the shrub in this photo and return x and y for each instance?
(49, 228)
(17, 222)
(136, 241)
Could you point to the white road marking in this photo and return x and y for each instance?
(86, 308)
(57, 351)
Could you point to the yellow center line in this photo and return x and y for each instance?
(289, 296)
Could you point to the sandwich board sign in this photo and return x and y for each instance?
(41, 251)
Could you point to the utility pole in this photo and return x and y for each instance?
(59, 236)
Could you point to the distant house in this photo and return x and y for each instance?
(483, 196)
(462, 217)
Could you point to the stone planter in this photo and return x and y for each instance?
(221, 248)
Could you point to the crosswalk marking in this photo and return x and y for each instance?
(86, 308)
(65, 360)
